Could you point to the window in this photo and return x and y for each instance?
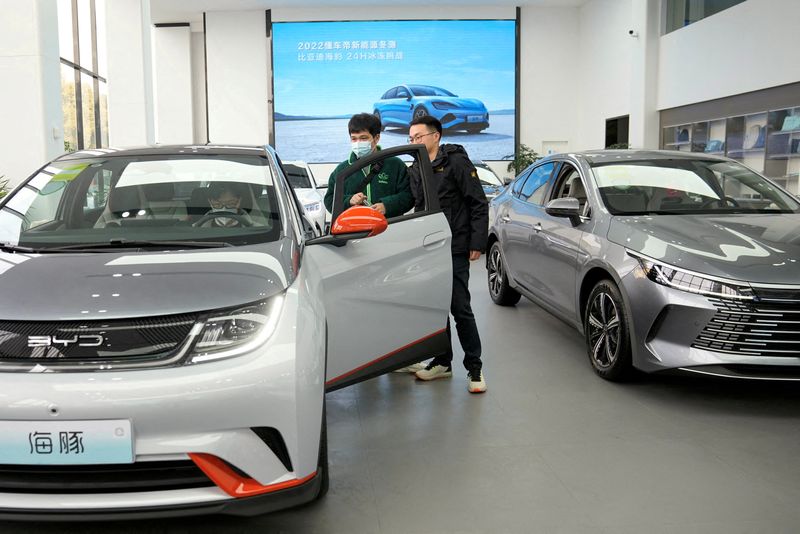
(391, 93)
(617, 132)
(402, 92)
(84, 91)
(681, 13)
(519, 182)
(536, 185)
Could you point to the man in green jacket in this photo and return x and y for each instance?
(388, 191)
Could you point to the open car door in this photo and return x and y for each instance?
(386, 296)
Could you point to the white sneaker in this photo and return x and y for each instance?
(475, 382)
(413, 368)
(432, 372)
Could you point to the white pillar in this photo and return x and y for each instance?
(237, 66)
(199, 83)
(646, 22)
(31, 120)
(173, 84)
(130, 77)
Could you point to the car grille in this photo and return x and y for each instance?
(86, 342)
(112, 478)
(766, 326)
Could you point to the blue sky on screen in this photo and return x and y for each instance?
(470, 58)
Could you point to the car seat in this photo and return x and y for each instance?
(625, 200)
(126, 202)
(576, 190)
(198, 203)
(161, 203)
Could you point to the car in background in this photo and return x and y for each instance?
(491, 183)
(171, 323)
(305, 186)
(400, 105)
(665, 261)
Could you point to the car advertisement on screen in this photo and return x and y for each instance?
(463, 72)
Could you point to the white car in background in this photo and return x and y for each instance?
(305, 186)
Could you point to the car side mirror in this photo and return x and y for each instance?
(568, 207)
(357, 222)
(408, 97)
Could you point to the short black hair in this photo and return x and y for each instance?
(216, 189)
(364, 122)
(429, 121)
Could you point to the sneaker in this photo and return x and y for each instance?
(476, 383)
(434, 371)
(413, 368)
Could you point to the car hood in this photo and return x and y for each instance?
(760, 248)
(116, 285)
(307, 195)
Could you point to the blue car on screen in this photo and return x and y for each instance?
(400, 105)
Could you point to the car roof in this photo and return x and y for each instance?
(593, 157)
(166, 150)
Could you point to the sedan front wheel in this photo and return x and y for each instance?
(501, 293)
(605, 325)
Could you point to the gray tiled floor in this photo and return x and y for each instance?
(550, 448)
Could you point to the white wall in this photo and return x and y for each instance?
(603, 73)
(237, 64)
(173, 85)
(199, 84)
(30, 87)
(751, 46)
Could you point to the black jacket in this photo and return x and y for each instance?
(461, 197)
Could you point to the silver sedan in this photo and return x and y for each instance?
(662, 260)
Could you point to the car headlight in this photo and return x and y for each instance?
(235, 332)
(444, 105)
(669, 276)
(311, 208)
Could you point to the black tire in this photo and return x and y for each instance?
(501, 293)
(378, 116)
(474, 129)
(605, 325)
(420, 112)
(322, 462)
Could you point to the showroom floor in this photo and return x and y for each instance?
(549, 448)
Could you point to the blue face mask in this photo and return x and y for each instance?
(361, 148)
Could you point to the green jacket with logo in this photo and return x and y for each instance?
(390, 186)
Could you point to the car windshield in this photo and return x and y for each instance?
(427, 90)
(487, 176)
(297, 176)
(155, 202)
(683, 186)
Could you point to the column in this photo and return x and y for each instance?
(173, 84)
(644, 118)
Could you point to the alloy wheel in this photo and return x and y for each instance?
(496, 274)
(604, 330)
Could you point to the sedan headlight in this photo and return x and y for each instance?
(444, 105)
(235, 332)
(312, 207)
(669, 276)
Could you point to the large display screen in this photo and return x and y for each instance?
(462, 72)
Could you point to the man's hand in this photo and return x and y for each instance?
(379, 207)
(357, 199)
(474, 255)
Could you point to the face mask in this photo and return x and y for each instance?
(362, 148)
(223, 221)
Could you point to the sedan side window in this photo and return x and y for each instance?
(519, 182)
(402, 93)
(536, 186)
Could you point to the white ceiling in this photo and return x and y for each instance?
(183, 11)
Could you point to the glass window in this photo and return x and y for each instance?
(66, 41)
(297, 176)
(88, 111)
(69, 106)
(681, 13)
(536, 185)
(519, 182)
(402, 92)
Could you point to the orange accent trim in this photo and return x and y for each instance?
(234, 484)
(359, 219)
(357, 369)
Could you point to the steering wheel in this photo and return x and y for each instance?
(721, 202)
(223, 215)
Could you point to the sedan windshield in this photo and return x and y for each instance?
(149, 202)
(681, 186)
(427, 90)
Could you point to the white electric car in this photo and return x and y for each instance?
(170, 323)
(302, 181)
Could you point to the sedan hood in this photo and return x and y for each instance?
(116, 285)
(759, 248)
(307, 196)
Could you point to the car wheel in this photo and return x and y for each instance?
(501, 293)
(378, 116)
(322, 461)
(608, 340)
(420, 112)
(474, 129)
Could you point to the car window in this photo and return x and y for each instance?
(93, 201)
(401, 93)
(391, 93)
(297, 176)
(570, 184)
(488, 177)
(427, 90)
(517, 184)
(536, 185)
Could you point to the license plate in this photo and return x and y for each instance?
(475, 118)
(66, 442)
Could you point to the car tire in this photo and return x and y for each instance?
(501, 292)
(420, 111)
(474, 130)
(605, 326)
(378, 116)
(322, 457)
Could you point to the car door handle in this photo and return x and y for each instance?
(537, 227)
(434, 240)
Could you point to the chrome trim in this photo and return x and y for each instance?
(740, 377)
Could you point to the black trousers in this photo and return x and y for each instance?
(461, 310)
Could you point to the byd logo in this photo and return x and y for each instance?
(90, 340)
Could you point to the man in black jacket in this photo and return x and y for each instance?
(463, 202)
